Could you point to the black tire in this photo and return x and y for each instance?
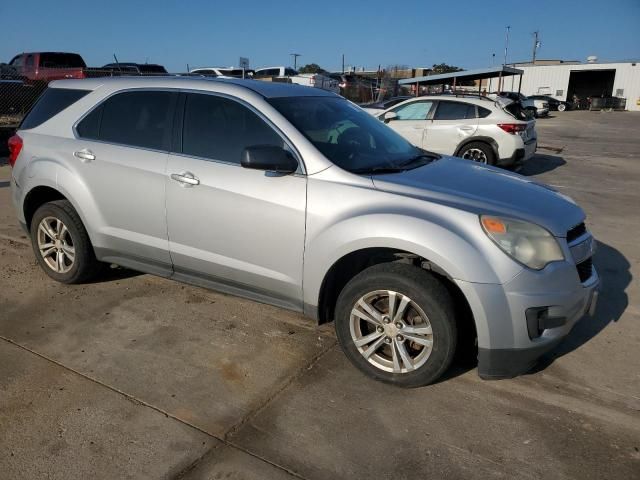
(470, 150)
(562, 107)
(428, 293)
(85, 266)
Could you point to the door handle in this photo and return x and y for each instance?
(85, 155)
(186, 179)
(466, 129)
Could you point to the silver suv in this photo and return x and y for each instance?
(296, 197)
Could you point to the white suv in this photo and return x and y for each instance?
(471, 127)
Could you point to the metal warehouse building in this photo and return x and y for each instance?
(564, 79)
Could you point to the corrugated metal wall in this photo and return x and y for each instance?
(550, 79)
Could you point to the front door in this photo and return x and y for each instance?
(411, 121)
(236, 229)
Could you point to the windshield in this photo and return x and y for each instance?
(348, 136)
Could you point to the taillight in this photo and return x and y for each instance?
(513, 128)
(15, 145)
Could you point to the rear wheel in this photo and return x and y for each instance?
(562, 107)
(396, 323)
(478, 152)
(61, 243)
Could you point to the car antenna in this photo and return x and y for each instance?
(117, 62)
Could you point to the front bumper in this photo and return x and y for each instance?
(505, 346)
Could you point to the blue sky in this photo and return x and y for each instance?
(369, 33)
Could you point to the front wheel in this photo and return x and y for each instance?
(562, 107)
(396, 323)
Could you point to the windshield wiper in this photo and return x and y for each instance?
(413, 162)
(380, 169)
(430, 157)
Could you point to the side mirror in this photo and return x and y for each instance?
(270, 158)
(389, 116)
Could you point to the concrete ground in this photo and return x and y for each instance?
(140, 377)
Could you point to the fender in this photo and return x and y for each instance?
(488, 140)
(462, 257)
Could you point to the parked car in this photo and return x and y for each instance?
(554, 103)
(540, 108)
(295, 197)
(379, 107)
(222, 72)
(472, 127)
(315, 80)
(47, 66)
(354, 87)
(129, 68)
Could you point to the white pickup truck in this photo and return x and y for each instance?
(316, 80)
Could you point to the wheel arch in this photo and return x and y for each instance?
(482, 139)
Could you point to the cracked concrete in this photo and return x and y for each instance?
(140, 377)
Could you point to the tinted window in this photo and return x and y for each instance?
(139, 119)
(290, 72)
(414, 111)
(483, 112)
(61, 60)
(220, 129)
(29, 62)
(454, 111)
(149, 68)
(89, 127)
(52, 102)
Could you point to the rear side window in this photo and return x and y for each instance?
(52, 102)
(483, 112)
(220, 129)
(454, 111)
(137, 119)
(61, 60)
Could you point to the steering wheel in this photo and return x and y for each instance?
(354, 137)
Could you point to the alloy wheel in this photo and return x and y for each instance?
(56, 245)
(391, 331)
(476, 155)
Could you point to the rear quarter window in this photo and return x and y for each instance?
(483, 112)
(51, 102)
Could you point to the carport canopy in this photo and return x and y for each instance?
(453, 78)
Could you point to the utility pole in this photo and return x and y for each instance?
(536, 46)
(506, 45)
(343, 63)
(295, 59)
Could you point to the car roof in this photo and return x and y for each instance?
(475, 100)
(265, 89)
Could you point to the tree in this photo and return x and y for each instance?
(444, 68)
(312, 68)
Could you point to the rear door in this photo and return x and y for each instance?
(452, 123)
(412, 120)
(121, 154)
(236, 229)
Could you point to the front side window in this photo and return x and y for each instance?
(29, 62)
(454, 111)
(413, 111)
(220, 129)
(348, 136)
(138, 119)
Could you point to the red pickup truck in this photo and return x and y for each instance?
(48, 66)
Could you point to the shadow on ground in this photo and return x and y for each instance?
(541, 163)
(615, 276)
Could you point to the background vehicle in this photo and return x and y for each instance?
(315, 80)
(378, 107)
(354, 87)
(48, 66)
(421, 254)
(554, 103)
(221, 72)
(540, 108)
(130, 68)
(471, 127)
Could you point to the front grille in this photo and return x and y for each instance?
(584, 269)
(576, 232)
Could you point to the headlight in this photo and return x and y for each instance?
(525, 242)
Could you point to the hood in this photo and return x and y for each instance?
(488, 190)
